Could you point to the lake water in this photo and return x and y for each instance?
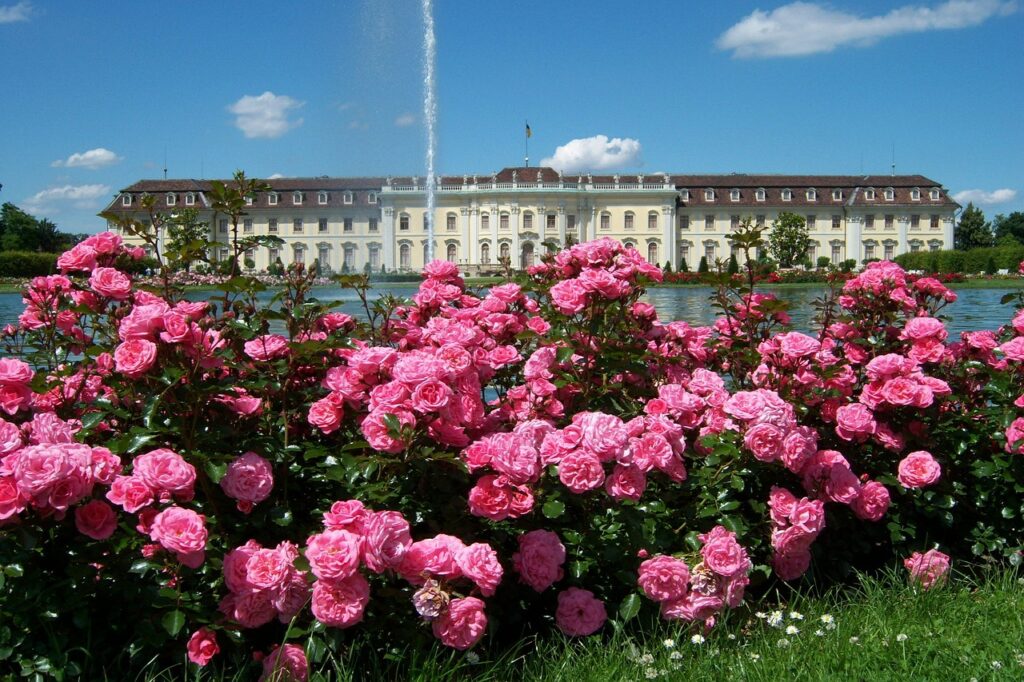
(975, 309)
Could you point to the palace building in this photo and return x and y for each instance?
(349, 223)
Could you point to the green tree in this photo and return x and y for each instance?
(668, 267)
(186, 237)
(18, 230)
(789, 240)
(703, 267)
(1009, 227)
(734, 265)
(683, 267)
(229, 199)
(973, 230)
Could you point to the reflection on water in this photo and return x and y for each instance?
(975, 309)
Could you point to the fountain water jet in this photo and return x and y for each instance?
(429, 117)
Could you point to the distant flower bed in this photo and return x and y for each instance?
(181, 478)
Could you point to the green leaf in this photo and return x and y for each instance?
(138, 441)
(216, 471)
(629, 607)
(1007, 298)
(282, 517)
(173, 622)
(552, 509)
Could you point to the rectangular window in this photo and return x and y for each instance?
(652, 221)
(450, 222)
(869, 221)
(709, 253)
(247, 226)
(869, 251)
(836, 253)
(297, 198)
(606, 221)
(503, 222)
(271, 199)
(373, 224)
(249, 199)
(812, 222)
(170, 200)
(322, 225)
(935, 222)
(934, 246)
(890, 251)
(324, 256)
(684, 254)
(709, 223)
(374, 257)
(272, 255)
(272, 226)
(551, 221)
(915, 247)
(321, 198)
(837, 222)
(570, 222)
(684, 222)
(527, 221)
(190, 199)
(371, 198)
(759, 221)
(223, 226)
(347, 225)
(890, 220)
(629, 221)
(403, 223)
(300, 255)
(915, 222)
(734, 222)
(297, 226)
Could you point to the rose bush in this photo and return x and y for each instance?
(221, 477)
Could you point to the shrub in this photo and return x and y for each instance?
(26, 263)
(703, 266)
(823, 261)
(246, 476)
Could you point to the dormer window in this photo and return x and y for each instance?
(709, 195)
(734, 195)
(890, 194)
(126, 199)
(171, 198)
(934, 194)
(371, 198)
(759, 194)
(190, 199)
(249, 200)
(272, 198)
(812, 195)
(347, 197)
(915, 194)
(787, 195)
(297, 198)
(684, 195)
(321, 198)
(869, 194)
(837, 195)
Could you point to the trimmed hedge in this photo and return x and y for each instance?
(27, 263)
(970, 262)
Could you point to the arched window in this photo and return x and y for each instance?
(190, 199)
(405, 256)
(452, 253)
(170, 198)
(526, 259)
(297, 198)
(347, 197)
(485, 253)
(812, 194)
(652, 253)
(505, 251)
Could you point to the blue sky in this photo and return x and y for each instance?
(97, 95)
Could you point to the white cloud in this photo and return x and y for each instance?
(595, 153)
(13, 13)
(980, 196)
(405, 120)
(803, 28)
(92, 159)
(265, 115)
(358, 125)
(50, 200)
(275, 176)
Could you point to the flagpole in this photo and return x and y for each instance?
(526, 143)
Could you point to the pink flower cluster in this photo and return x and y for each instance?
(249, 480)
(698, 594)
(263, 583)
(795, 525)
(929, 569)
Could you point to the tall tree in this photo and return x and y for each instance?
(229, 199)
(973, 230)
(789, 240)
(1009, 227)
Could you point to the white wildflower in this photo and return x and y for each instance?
(855, 640)
(761, 615)
(669, 643)
(697, 639)
(647, 659)
(996, 665)
(651, 673)
(783, 643)
(472, 657)
(675, 656)
(819, 633)
(902, 637)
(792, 630)
(775, 619)
(795, 615)
(731, 637)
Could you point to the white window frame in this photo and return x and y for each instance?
(734, 195)
(271, 199)
(170, 199)
(684, 195)
(915, 194)
(934, 195)
(812, 194)
(297, 198)
(371, 198)
(869, 194)
(890, 194)
(759, 194)
(787, 195)
(837, 195)
(347, 197)
(709, 195)
(321, 198)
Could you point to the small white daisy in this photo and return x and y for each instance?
(996, 665)
(675, 656)
(827, 619)
(651, 674)
(647, 659)
(472, 657)
(819, 633)
(669, 644)
(795, 615)
(902, 637)
(731, 637)
(792, 630)
(775, 619)
(697, 639)
(783, 643)
(761, 615)
(855, 640)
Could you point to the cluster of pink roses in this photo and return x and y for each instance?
(719, 579)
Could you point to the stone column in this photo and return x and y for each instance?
(388, 239)
(668, 221)
(465, 250)
(473, 248)
(854, 248)
(947, 232)
(495, 219)
(514, 253)
(561, 226)
(542, 226)
(586, 235)
(903, 224)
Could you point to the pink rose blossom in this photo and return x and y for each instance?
(270, 569)
(854, 422)
(722, 554)
(183, 532)
(539, 559)
(248, 480)
(131, 493)
(267, 347)
(479, 563)
(872, 502)
(96, 519)
(334, 554)
(341, 603)
(764, 441)
(285, 664)
(579, 612)
(111, 283)
(928, 569)
(432, 557)
(581, 472)
(202, 646)
(134, 357)
(664, 578)
(918, 469)
(462, 625)
(165, 471)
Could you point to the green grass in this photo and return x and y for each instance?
(880, 630)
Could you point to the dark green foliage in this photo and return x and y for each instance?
(683, 267)
(734, 266)
(1009, 227)
(823, 261)
(973, 230)
(968, 262)
(703, 267)
(26, 264)
(668, 266)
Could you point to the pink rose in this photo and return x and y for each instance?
(514, 456)
(479, 563)
(202, 646)
(346, 515)
(181, 531)
(722, 554)
(579, 612)
(326, 414)
(791, 565)
(626, 483)
(539, 559)
(694, 606)
(249, 480)
(1015, 436)
(920, 328)
(236, 571)
(1014, 349)
(490, 498)
(285, 664)
(764, 441)
(797, 345)
(131, 493)
(341, 603)
(798, 447)
(568, 296)
(165, 471)
(111, 283)
(781, 503)
(431, 395)
(10, 438)
(270, 569)
(12, 502)
(81, 257)
(14, 371)
(580, 472)
(855, 422)
(134, 357)
(432, 557)
(663, 578)
(96, 519)
(334, 554)
(929, 569)
(267, 347)
(872, 502)
(462, 625)
(918, 469)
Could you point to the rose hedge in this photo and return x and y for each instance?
(224, 477)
